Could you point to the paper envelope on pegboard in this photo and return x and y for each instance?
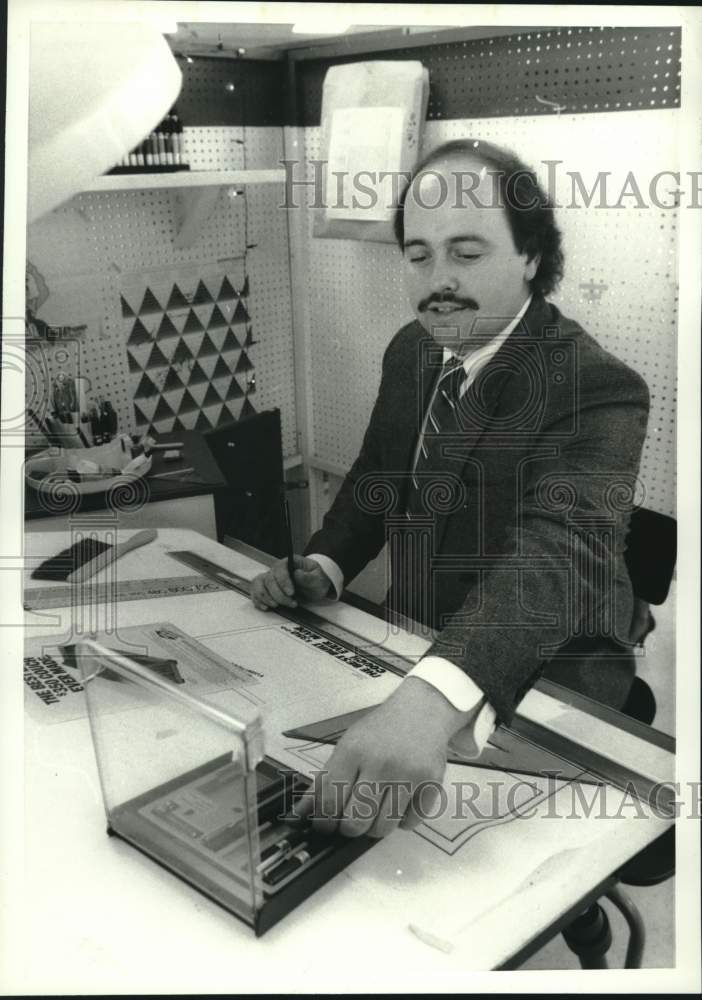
(372, 118)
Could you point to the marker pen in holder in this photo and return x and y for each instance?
(276, 874)
(170, 140)
(274, 853)
(179, 152)
(166, 142)
(161, 146)
(291, 863)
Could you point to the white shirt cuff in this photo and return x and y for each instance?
(465, 695)
(331, 569)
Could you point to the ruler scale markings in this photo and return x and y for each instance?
(391, 662)
(41, 598)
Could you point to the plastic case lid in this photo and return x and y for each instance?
(177, 774)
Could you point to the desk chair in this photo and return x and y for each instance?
(249, 453)
(650, 558)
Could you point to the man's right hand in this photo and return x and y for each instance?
(275, 587)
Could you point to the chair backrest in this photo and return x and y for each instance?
(249, 453)
(651, 550)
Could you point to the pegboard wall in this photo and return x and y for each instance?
(579, 70)
(594, 99)
(620, 277)
(228, 92)
(91, 249)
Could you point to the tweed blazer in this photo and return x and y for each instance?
(513, 545)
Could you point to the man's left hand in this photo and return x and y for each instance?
(388, 767)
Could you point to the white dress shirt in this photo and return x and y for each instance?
(456, 686)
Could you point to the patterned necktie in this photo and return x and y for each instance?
(440, 425)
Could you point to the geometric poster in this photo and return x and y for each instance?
(187, 341)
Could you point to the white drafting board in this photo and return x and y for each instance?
(620, 276)
(490, 848)
(90, 249)
(286, 671)
(291, 678)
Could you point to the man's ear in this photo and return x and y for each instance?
(532, 267)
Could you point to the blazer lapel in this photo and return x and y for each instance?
(414, 375)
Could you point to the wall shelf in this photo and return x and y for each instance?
(185, 179)
(196, 192)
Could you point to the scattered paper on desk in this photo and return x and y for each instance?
(53, 688)
(301, 672)
(289, 669)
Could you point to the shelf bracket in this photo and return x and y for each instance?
(193, 207)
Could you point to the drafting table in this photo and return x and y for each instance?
(428, 904)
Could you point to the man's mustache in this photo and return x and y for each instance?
(447, 298)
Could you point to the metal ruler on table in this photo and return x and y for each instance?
(546, 750)
(40, 598)
(327, 630)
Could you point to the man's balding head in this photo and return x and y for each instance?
(485, 174)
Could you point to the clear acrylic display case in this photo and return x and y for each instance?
(188, 784)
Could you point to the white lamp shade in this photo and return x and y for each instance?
(95, 92)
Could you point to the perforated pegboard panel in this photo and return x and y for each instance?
(99, 240)
(232, 92)
(226, 148)
(620, 281)
(582, 69)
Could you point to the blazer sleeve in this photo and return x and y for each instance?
(353, 530)
(569, 532)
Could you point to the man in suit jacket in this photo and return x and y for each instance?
(499, 465)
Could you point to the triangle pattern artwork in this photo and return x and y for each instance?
(243, 364)
(230, 342)
(202, 295)
(172, 380)
(234, 391)
(207, 347)
(139, 334)
(226, 292)
(247, 409)
(150, 304)
(176, 300)
(197, 375)
(166, 328)
(182, 354)
(134, 365)
(127, 310)
(222, 369)
(181, 336)
(218, 320)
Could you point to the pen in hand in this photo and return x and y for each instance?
(279, 586)
(289, 543)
